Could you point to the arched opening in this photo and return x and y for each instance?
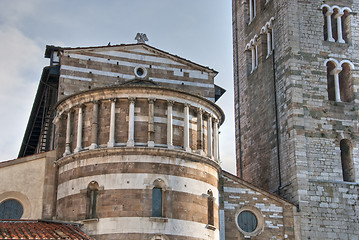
(325, 25)
(347, 160)
(335, 24)
(210, 208)
(330, 81)
(251, 10)
(158, 198)
(346, 25)
(91, 201)
(345, 83)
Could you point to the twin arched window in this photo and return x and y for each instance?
(336, 23)
(340, 84)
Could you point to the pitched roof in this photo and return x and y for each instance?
(40, 229)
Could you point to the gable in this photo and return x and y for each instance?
(85, 68)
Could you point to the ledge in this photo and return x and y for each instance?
(90, 220)
(211, 227)
(158, 219)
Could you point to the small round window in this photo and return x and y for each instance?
(247, 221)
(11, 209)
(140, 72)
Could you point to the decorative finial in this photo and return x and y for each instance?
(141, 38)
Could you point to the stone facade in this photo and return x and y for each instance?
(297, 108)
(135, 152)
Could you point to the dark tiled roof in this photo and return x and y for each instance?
(38, 229)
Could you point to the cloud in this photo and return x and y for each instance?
(14, 11)
(20, 68)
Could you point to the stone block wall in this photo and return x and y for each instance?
(277, 218)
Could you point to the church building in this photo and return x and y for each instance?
(122, 143)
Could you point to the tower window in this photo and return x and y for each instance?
(336, 27)
(252, 10)
(347, 160)
(339, 82)
(92, 198)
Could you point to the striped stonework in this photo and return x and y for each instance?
(123, 141)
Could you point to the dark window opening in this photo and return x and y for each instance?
(210, 208)
(247, 221)
(92, 198)
(347, 160)
(330, 83)
(11, 209)
(157, 202)
(345, 83)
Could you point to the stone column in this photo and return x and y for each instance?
(253, 58)
(254, 8)
(209, 137)
(329, 26)
(151, 122)
(272, 35)
(68, 135)
(111, 140)
(338, 16)
(250, 11)
(131, 122)
(79, 131)
(94, 127)
(200, 131)
(169, 125)
(186, 128)
(256, 47)
(336, 72)
(269, 43)
(215, 139)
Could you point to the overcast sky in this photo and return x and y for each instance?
(198, 30)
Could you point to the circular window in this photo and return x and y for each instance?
(140, 72)
(11, 209)
(247, 221)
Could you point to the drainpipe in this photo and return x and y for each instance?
(277, 120)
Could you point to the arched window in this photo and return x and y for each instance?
(336, 27)
(91, 201)
(339, 81)
(345, 83)
(158, 198)
(210, 208)
(330, 80)
(347, 160)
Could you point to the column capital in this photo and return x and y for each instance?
(338, 14)
(215, 120)
(132, 99)
(199, 110)
(95, 101)
(151, 100)
(170, 102)
(329, 13)
(336, 70)
(113, 99)
(187, 105)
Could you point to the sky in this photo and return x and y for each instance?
(198, 30)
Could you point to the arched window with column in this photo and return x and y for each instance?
(336, 27)
(347, 160)
(92, 200)
(339, 80)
